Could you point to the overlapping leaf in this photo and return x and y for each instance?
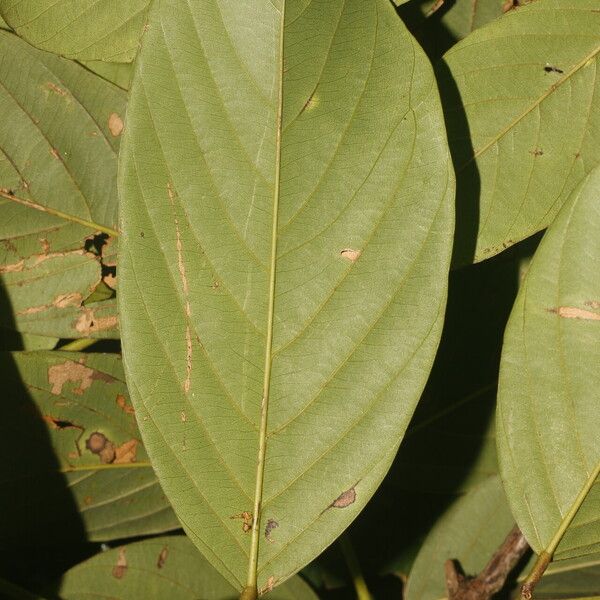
(164, 567)
(59, 137)
(344, 205)
(509, 90)
(471, 531)
(107, 30)
(548, 418)
(72, 439)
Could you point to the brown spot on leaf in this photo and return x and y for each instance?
(572, 312)
(110, 280)
(592, 303)
(55, 89)
(537, 152)
(183, 416)
(351, 255)
(71, 299)
(115, 124)
(120, 569)
(345, 499)
(552, 69)
(126, 452)
(87, 323)
(75, 372)
(162, 557)
(55, 153)
(271, 524)
(269, 585)
(122, 404)
(99, 444)
(247, 518)
(45, 245)
(87, 500)
(13, 268)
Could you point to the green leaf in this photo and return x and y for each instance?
(164, 567)
(61, 404)
(107, 30)
(509, 89)
(58, 157)
(548, 417)
(315, 242)
(118, 73)
(574, 578)
(470, 531)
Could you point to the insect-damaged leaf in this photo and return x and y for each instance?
(72, 437)
(107, 30)
(345, 207)
(509, 89)
(57, 153)
(163, 567)
(548, 418)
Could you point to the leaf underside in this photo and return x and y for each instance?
(510, 87)
(548, 417)
(58, 149)
(59, 401)
(362, 248)
(106, 30)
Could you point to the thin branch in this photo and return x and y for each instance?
(493, 577)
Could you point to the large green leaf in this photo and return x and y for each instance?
(164, 567)
(510, 88)
(59, 136)
(107, 30)
(60, 404)
(548, 418)
(314, 242)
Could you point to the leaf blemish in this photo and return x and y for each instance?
(120, 568)
(122, 404)
(162, 557)
(271, 524)
(247, 518)
(186, 294)
(56, 89)
(345, 499)
(99, 444)
(87, 323)
(74, 372)
(537, 152)
(115, 124)
(552, 69)
(351, 255)
(572, 312)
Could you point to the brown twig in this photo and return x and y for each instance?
(493, 577)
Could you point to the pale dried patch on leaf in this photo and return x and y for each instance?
(87, 323)
(61, 301)
(271, 581)
(592, 303)
(186, 294)
(115, 124)
(351, 255)
(573, 312)
(120, 569)
(162, 557)
(55, 153)
(75, 372)
(345, 499)
(55, 89)
(111, 281)
(126, 452)
(122, 404)
(247, 518)
(70, 299)
(13, 268)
